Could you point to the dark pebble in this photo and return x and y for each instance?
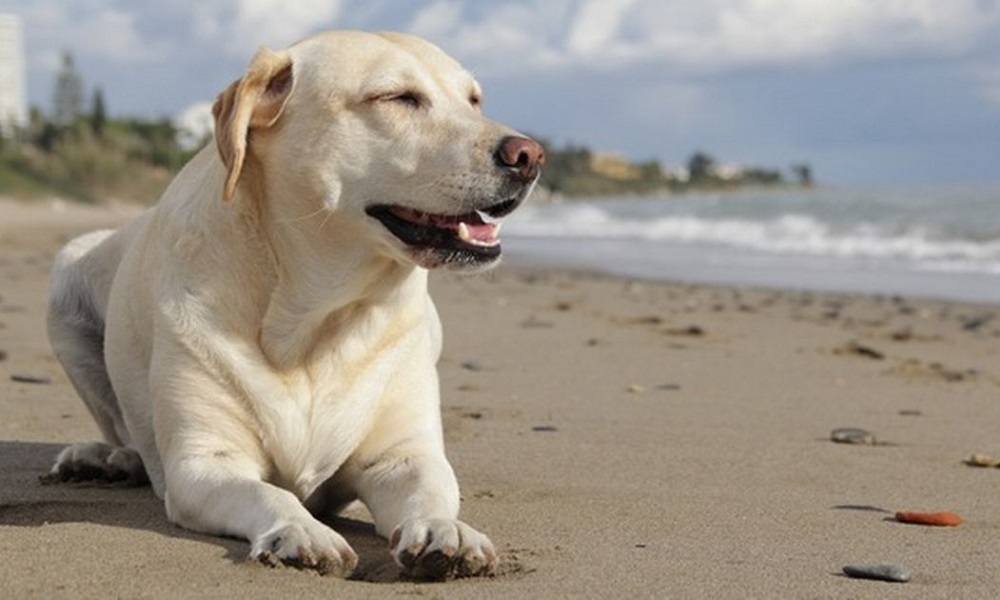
(689, 331)
(893, 573)
(472, 365)
(22, 378)
(545, 428)
(857, 349)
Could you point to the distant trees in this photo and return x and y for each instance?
(803, 174)
(83, 153)
(575, 170)
(98, 113)
(68, 100)
(701, 168)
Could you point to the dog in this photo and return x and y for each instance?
(260, 346)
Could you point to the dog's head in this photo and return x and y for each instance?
(381, 135)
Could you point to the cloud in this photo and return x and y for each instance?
(515, 36)
(100, 32)
(502, 37)
(195, 125)
(239, 27)
(709, 35)
(596, 25)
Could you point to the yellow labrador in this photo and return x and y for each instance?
(260, 345)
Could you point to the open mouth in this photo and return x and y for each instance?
(469, 238)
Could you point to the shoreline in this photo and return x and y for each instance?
(613, 437)
(963, 288)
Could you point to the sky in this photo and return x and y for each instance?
(865, 91)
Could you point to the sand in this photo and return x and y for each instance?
(615, 439)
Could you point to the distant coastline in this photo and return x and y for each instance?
(577, 171)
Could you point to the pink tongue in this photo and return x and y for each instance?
(483, 232)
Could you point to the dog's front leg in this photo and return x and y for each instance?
(217, 494)
(412, 493)
(218, 471)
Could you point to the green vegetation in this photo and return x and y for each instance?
(577, 171)
(91, 160)
(85, 155)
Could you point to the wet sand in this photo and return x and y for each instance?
(614, 438)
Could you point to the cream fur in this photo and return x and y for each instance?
(266, 348)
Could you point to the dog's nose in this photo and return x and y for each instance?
(522, 155)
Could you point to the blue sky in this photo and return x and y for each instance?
(867, 91)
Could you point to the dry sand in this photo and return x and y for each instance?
(615, 439)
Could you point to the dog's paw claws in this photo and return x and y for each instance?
(441, 549)
(314, 548)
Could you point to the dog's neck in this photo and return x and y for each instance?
(306, 312)
(327, 284)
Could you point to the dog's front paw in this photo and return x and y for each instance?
(311, 546)
(97, 463)
(439, 549)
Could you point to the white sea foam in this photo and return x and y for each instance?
(919, 246)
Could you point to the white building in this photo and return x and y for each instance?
(13, 105)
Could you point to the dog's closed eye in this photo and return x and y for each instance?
(410, 99)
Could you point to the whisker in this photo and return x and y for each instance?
(329, 214)
(303, 218)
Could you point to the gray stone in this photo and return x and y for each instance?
(852, 435)
(893, 573)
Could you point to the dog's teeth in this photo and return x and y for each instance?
(486, 218)
(463, 233)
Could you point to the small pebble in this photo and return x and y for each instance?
(672, 387)
(635, 388)
(472, 365)
(533, 322)
(689, 331)
(893, 573)
(852, 435)
(545, 428)
(939, 519)
(983, 460)
(22, 378)
(857, 349)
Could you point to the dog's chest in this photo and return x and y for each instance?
(328, 409)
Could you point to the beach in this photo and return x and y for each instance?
(615, 438)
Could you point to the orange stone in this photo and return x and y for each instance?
(940, 519)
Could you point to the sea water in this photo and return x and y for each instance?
(938, 242)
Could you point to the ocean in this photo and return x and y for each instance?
(933, 241)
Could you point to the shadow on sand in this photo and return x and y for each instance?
(25, 502)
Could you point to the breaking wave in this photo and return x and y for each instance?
(922, 246)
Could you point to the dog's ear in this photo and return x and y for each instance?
(253, 102)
